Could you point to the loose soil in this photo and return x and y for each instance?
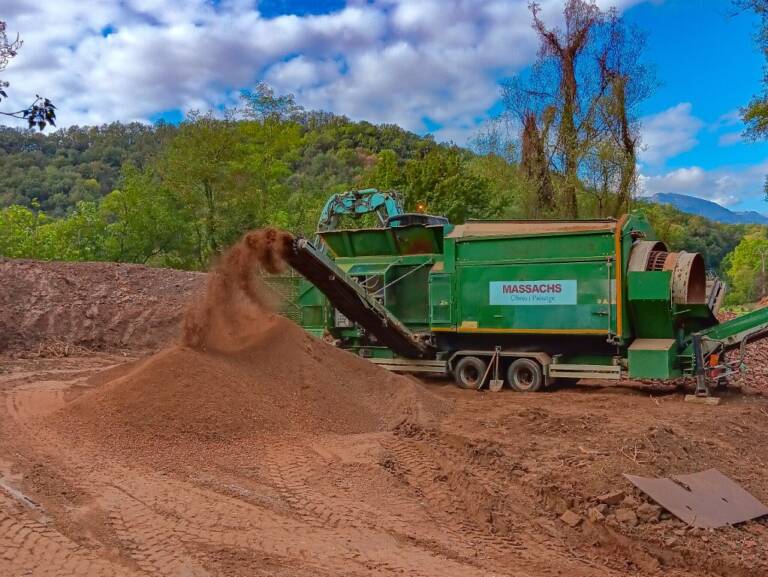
(258, 450)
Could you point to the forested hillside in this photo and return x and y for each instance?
(58, 169)
(174, 195)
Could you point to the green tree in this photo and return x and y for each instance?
(80, 236)
(509, 192)
(267, 153)
(263, 104)
(146, 224)
(444, 183)
(19, 231)
(748, 268)
(197, 168)
(755, 114)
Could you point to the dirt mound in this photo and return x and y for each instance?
(95, 305)
(283, 381)
(242, 370)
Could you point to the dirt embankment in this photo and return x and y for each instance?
(101, 306)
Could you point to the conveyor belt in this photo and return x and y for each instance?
(353, 301)
(728, 335)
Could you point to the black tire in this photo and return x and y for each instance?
(468, 372)
(525, 376)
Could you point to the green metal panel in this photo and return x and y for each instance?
(441, 299)
(590, 311)
(418, 239)
(407, 295)
(653, 359)
(649, 295)
(650, 286)
(313, 307)
(367, 269)
(403, 240)
(634, 225)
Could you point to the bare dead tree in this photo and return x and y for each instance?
(630, 82)
(41, 112)
(579, 100)
(566, 46)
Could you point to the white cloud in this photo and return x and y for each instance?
(668, 133)
(726, 186)
(730, 138)
(678, 180)
(728, 120)
(397, 61)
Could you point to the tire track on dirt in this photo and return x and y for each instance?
(465, 495)
(29, 547)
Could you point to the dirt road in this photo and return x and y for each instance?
(477, 492)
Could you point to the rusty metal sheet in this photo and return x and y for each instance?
(707, 499)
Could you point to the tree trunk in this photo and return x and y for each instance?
(569, 140)
(628, 144)
(534, 165)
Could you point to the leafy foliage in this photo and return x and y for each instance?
(755, 114)
(691, 233)
(746, 268)
(175, 196)
(60, 169)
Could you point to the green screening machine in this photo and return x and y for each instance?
(521, 302)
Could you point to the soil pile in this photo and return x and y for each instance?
(242, 370)
(94, 305)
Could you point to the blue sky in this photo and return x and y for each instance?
(705, 56)
(427, 65)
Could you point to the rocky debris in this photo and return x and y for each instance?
(612, 498)
(670, 541)
(570, 518)
(626, 516)
(595, 515)
(649, 513)
(630, 502)
(755, 378)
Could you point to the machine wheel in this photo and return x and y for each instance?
(525, 375)
(468, 372)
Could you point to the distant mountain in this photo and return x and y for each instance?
(709, 209)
